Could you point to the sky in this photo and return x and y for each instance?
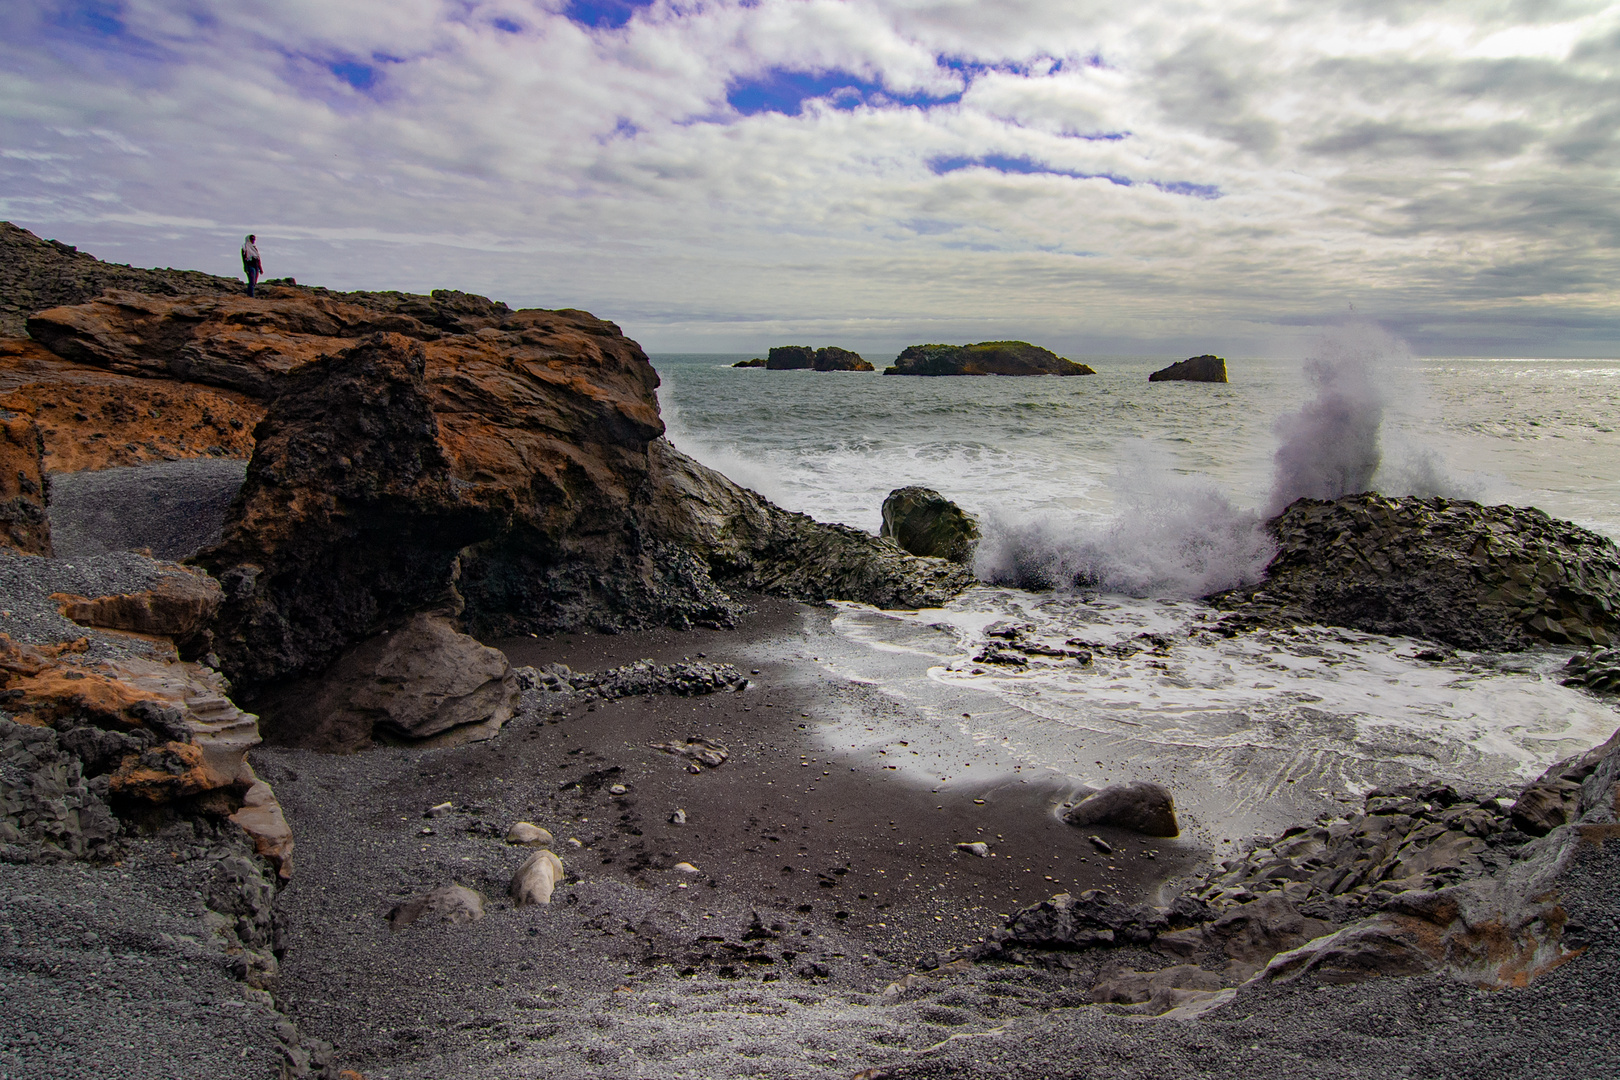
(1162, 176)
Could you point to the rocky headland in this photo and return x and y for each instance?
(1206, 368)
(984, 358)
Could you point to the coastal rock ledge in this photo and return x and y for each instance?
(1475, 577)
(1204, 368)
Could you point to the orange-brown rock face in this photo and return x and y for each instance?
(90, 418)
(23, 523)
(181, 605)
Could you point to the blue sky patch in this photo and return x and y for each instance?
(782, 91)
(95, 16)
(360, 76)
(610, 14)
(507, 26)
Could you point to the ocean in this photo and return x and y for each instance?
(1154, 492)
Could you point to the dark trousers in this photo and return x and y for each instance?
(253, 272)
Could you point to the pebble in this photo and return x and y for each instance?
(617, 789)
(437, 811)
(976, 847)
(678, 818)
(685, 868)
(1100, 844)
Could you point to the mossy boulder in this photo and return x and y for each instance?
(924, 522)
(984, 358)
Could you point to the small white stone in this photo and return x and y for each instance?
(536, 878)
(678, 818)
(685, 868)
(442, 808)
(617, 789)
(575, 842)
(977, 847)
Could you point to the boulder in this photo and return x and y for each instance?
(425, 684)
(24, 525)
(985, 358)
(790, 358)
(450, 903)
(1597, 670)
(1140, 805)
(1204, 368)
(1476, 577)
(926, 523)
(832, 358)
(536, 878)
(1132, 987)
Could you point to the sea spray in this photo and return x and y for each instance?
(1174, 535)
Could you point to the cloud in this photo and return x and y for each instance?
(707, 172)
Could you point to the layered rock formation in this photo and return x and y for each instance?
(1204, 368)
(924, 522)
(985, 358)
(1477, 577)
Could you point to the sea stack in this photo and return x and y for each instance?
(984, 358)
(1204, 368)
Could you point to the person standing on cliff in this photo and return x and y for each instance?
(250, 261)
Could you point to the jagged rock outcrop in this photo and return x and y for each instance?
(1424, 880)
(790, 358)
(1204, 368)
(749, 543)
(924, 522)
(1597, 671)
(984, 358)
(24, 524)
(1477, 577)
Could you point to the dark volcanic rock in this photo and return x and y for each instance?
(985, 358)
(791, 358)
(24, 525)
(1139, 805)
(832, 358)
(1477, 577)
(750, 543)
(1597, 671)
(924, 522)
(755, 362)
(349, 520)
(1204, 368)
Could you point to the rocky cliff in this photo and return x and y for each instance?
(985, 358)
(1472, 576)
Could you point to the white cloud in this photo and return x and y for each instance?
(1449, 167)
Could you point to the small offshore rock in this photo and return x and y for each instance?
(1140, 805)
(528, 834)
(1204, 368)
(450, 903)
(976, 847)
(536, 878)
